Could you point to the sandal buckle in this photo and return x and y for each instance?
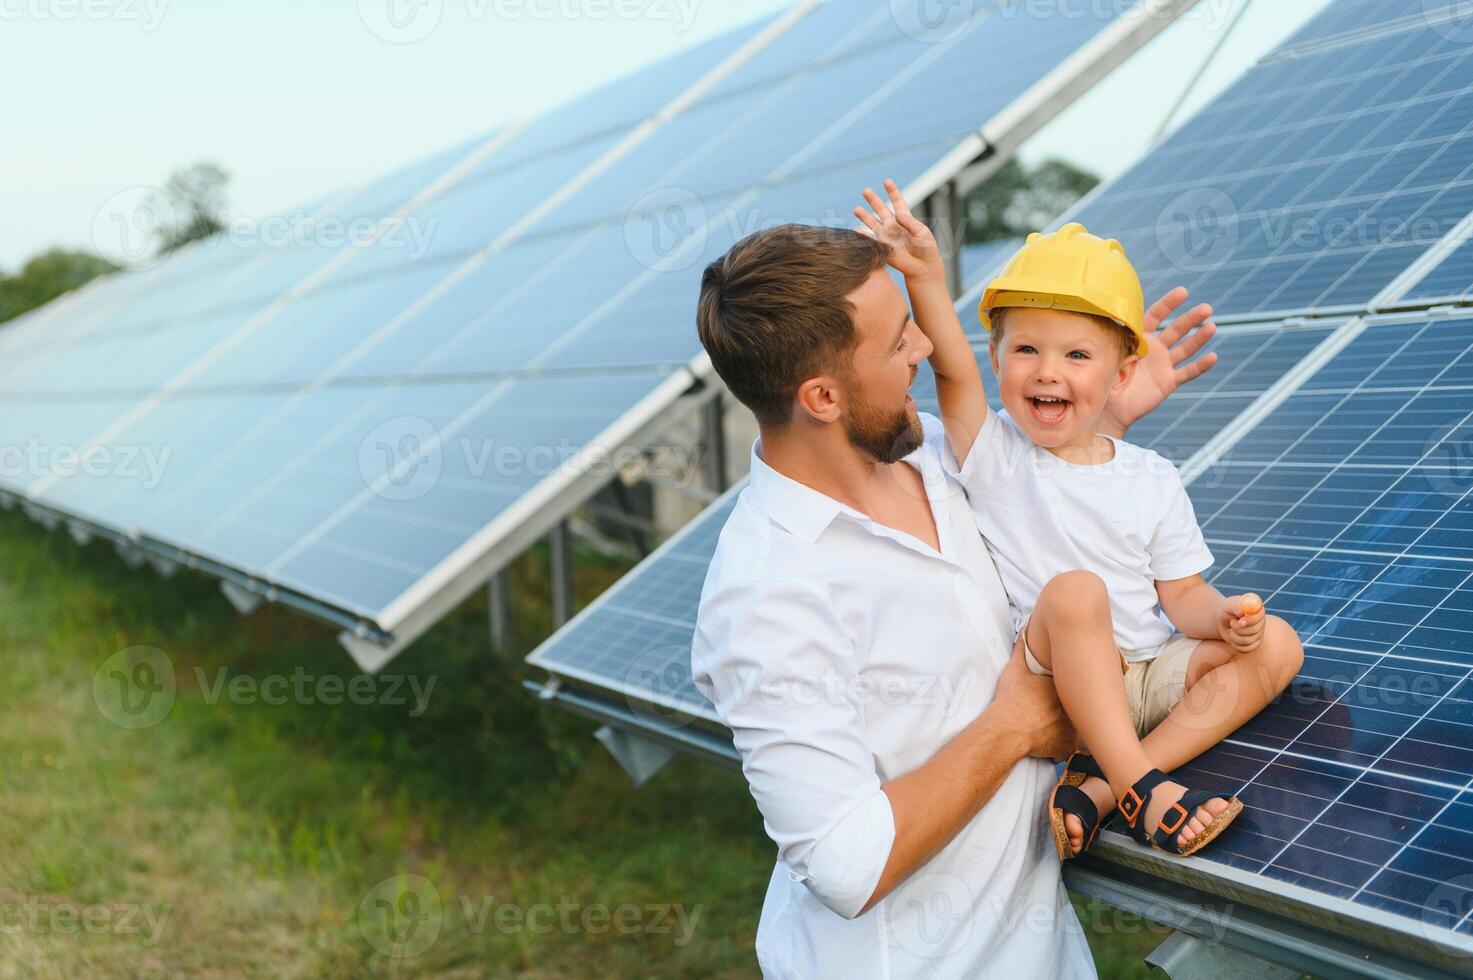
(1179, 820)
(1130, 806)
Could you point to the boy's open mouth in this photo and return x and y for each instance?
(1047, 409)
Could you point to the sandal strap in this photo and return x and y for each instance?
(1072, 799)
(1085, 763)
(1133, 804)
(1194, 798)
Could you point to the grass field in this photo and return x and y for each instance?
(265, 824)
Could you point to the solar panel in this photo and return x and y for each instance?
(1349, 510)
(1451, 280)
(1312, 182)
(1358, 17)
(539, 315)
(981, 260)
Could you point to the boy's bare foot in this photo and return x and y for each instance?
(1099, 793)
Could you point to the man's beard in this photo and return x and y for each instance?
(888, 437)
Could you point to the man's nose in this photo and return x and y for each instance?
(923, 348)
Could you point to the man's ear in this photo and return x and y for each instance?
(1125, 375)
(820, 398)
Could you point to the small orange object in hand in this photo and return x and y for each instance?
(1251, 605)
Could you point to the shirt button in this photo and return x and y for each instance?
(993, 641)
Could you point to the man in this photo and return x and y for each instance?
(854, 636)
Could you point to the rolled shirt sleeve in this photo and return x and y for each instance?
(775, 662)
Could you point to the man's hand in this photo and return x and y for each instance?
(1241, 621)
(913, 251)
(1039, 716)
(1165, 367)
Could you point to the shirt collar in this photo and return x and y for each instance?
(803, 510)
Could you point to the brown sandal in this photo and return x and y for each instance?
(1138, 797)
(1068, 798)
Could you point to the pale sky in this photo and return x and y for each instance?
(298, 98)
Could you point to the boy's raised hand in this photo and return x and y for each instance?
(1241, 621)
(1168, 363)
(913, 248)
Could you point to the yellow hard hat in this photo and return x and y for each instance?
(1070, 269)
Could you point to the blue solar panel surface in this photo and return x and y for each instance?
(541, 306)
(980, 261)
(1312, 182)
(1451, 279)
(1349, 510)
(1350, 17)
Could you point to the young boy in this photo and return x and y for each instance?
(1095, 539)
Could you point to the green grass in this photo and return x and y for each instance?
(240, 837)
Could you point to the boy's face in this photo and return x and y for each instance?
(1056, 370)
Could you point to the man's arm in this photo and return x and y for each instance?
(1167, 364)
(933, 803)
(915, 255)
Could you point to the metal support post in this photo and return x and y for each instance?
(561, 542)
(498, 599)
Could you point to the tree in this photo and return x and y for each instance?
(194, 200)
(47, 276)
(1015, 201)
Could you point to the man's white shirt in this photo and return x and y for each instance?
(1128, 520)
(842, 654)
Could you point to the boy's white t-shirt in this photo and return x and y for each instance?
(1128, 520)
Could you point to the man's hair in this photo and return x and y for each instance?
(773, 313)
(1123, 335)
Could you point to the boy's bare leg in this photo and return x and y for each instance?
(1071, 633)
(1224, 690)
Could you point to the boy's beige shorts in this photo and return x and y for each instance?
(1152, 687)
